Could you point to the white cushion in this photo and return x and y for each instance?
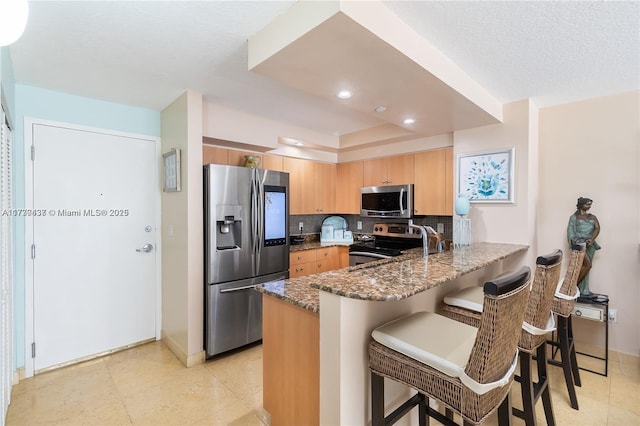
(471, 298)
(432, 339)
(439, 342)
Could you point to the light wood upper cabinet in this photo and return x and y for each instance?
(312, 186)
(214, 155)
(325, 188)
(434, 182)
(397, 170)
(349, 180)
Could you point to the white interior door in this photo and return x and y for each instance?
(94, 199)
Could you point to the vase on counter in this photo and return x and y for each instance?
(462, 205)
(461, 223)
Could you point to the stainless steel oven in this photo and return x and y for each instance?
(391, 239)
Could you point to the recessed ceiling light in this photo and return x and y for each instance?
(299, 144)
(344, 94)
(381, 109)
(409, 121)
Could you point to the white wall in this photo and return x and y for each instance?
(592, 149)
(182, 230)
(505, 222)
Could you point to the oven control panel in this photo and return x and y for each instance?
(399, 230)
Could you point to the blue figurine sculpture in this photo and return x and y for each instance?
(584, 228)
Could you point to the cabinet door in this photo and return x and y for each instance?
(343, 257)
(375, 172)
(302, 256)
(272, 162)
(327, 259)
(434, 182)
(397, 170)
(349, 180)
(400, 169)
(298, 183)
(302, 269)
(214, 155)
(325, 188)
(448, 182)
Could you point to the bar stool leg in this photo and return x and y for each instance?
(568, 359)
(543, 384)
(377, 400)
(574, 361)
(528, 413)
(504, 412)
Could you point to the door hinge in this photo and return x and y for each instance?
(33, 350)
(33, 251)
(33, 152)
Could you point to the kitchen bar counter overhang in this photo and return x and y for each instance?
(391, 279)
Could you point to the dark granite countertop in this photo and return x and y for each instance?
(390, 279)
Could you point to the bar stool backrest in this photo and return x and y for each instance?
(505, 300)
(564, 306)
(538, 315)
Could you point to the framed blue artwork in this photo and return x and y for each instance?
(487, 177)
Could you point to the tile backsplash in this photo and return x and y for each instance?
(313, 222)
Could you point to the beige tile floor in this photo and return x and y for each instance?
(147, 385)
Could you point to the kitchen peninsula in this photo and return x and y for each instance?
(316, 328)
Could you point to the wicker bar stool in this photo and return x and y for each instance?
(465, 306)
(563, 304)
(469, 370)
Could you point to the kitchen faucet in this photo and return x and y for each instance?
(425, 230)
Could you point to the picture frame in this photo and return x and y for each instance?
(487, 177)
(171, 167)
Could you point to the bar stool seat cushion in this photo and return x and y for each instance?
(448, 353)
(470, 298)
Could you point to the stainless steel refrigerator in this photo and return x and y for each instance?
(246, 244)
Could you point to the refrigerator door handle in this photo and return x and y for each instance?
(261, 201)
(254, 212)
(230, 290)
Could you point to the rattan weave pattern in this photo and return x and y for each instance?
(541, 298)
(490, 358)
(465, 316)
(564, 307)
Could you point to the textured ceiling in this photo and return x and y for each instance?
(147, 53)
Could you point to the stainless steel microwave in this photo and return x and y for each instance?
(387, 201)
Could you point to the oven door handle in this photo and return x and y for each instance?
(369, 254)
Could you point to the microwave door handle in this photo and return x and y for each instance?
(402, 209)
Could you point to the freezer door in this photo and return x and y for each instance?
(229, 235)
(233, 314)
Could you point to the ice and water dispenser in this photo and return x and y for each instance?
(228, 227)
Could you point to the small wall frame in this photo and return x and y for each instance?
(171, 171)
(487, 177)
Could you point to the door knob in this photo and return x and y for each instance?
(145, 248)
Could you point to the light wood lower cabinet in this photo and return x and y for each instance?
(314, 261)
(291, 363)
